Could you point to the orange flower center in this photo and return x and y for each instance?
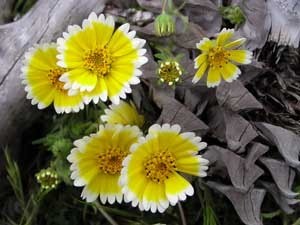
(217, 57)
(98, 61)
(54, 75)
(160, 166)
(110, 162)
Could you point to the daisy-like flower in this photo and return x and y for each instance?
(151, 176)
(219, 58)
(41, 74)
(97, 161)
(103, 62)
(124, 113)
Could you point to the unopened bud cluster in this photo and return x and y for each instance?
(47, 178)
(169, 72)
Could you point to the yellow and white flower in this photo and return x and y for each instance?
(151, 176)
(102, 62)
(97, 161)
(124, 113)
(219, 58)
(41, 74)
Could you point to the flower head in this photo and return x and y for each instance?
(164, 24)
(41, 74)
(150, 177)
(124, 113)
(219, 57)
(97, 161)
(47, 178)
(169, 72)
(102, 62)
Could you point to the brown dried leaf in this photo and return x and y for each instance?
(174, 112)
(282, 174)
(239, 132)
(283, 202)
(236, 97)
(255, 151)
(247, 205)
(153, 5)
(287, 142)
(242, 177)
(257, 25)
(190, 37)
(230, 127)
(206, 14)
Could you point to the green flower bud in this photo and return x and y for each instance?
(169, 72)
(47, 178)
(164, 24)
(234, 14)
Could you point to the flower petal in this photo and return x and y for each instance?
(224, 36)
(240, 56)
(230, 72)
(200, 72)
(235, 44)
(213, 78)
(177, 188)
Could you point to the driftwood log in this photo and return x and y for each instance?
(45, 22)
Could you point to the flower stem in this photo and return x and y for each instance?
(105, 214)
(163, 8)
(182, 216)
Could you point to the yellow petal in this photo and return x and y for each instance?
(119, 40)
(224, 36)
(240, 56)
(103, 32)
(192, 164)
(213, 78)
(177, 188)
(82, 78)
(200, 72)
(82, 40)
(230, 72)
(200, 59)
(235, 44)
(205, 45)
(43, 93)
(100, 91)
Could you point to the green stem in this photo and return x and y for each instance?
(163, 8)
(182, 216)
(105, 214)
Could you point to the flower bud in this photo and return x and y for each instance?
(234, 14)
(47, 178)
(164, 24)
(169, 72)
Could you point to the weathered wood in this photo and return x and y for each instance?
(45, 22)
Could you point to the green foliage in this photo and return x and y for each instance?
(208, 212)
(234, 14)
(30, 205)
(65, 129)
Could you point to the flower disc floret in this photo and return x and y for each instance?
(160, 166)
(98, 61)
